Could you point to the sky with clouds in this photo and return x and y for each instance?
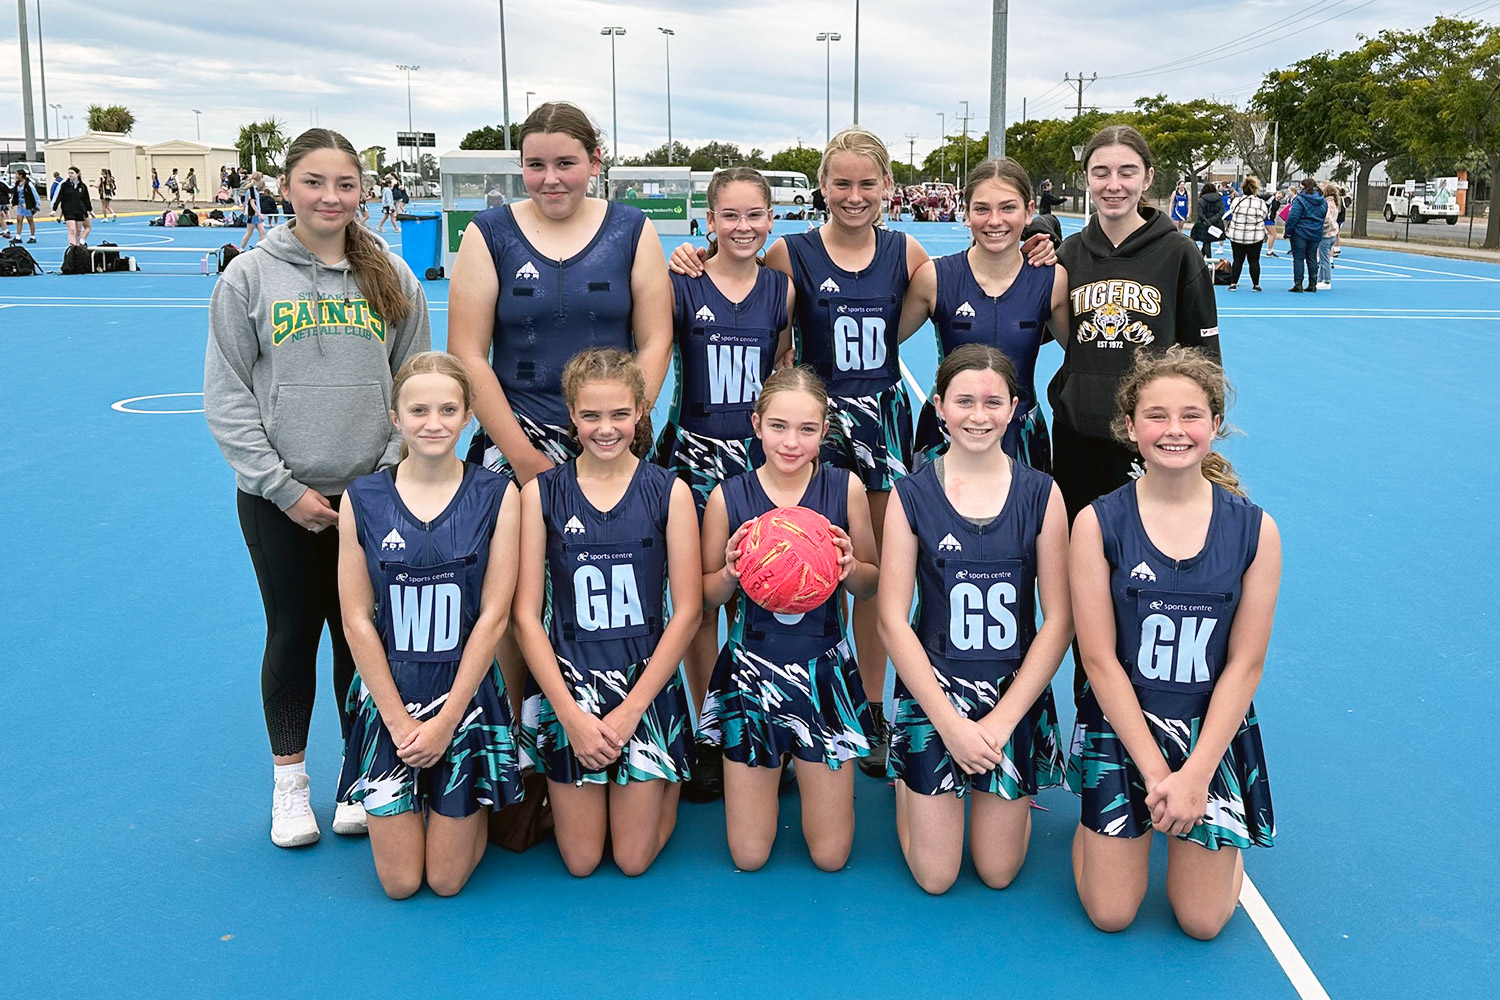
(750, 73)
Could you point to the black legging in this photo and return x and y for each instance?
(1243, 252)
(297, 571)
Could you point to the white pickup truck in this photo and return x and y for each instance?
(1429, 200)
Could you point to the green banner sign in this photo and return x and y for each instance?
(458, 221)
(661, 208)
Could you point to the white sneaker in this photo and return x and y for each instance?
(349, 820)
(292, 821)
(1325, 284)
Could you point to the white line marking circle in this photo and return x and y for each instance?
(123, 405)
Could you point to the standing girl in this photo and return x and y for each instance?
(1132, 286)
(987, 295)
(1246, 231)
(606, 717)
(106, 194)
(426, 576)
(976, 535)
(155, 187)
(788, 684)
(730, 324)
(1174, 579)
(255, 216)
(303, 342)
(71, 201)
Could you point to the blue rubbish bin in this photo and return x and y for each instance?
(421, 244)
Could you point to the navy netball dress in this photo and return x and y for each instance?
(847, 330)
(606, 608)
(1015, 323)
(549, 310)
(428, 577)
(976, 619)
(723, 352)
(787, 683)
(1173, 619)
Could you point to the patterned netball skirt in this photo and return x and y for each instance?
(1033, 445)
(920, 760)
(660, 747)
(479, 769)
(758, 709)
(1114, 795)
(556, 443)
(704, 462)
(871, 436)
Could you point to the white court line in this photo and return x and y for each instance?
(1287, 956)
(1298, 972)
(1424, 270)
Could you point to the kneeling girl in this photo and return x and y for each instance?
(606, 716)
(425, 584)
(788, 684)
(977, 534)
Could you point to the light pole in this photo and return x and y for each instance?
(41, 53)
(504, 76)
(69, 120)
(529, 95)
(667, 34)
(942, 145)
(856, 62)
(198, 123)
(998, 43)
(408, 70)
(966, 139)
(828, 38)
(57, 116)
(613, 31)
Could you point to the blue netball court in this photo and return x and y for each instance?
(136, 858)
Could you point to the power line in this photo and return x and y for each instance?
(1181, 62)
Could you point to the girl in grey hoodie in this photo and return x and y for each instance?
(305, 334)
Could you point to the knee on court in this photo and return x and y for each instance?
(581, 862)
(830, 855)
(935, 880)
(447, 882)
(401, 884)
(1113, 915)
(750, 853)
(633, 860)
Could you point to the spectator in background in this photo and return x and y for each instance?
(73, 204)
(106, 195)
(1179, 209)
(1246, 229)
(190, 186)
(820, 204)
(1331, 218)
(1304, 231)
(174, 187)
(232, 182)
(25, 200)
(57, 183)
(255, 219)
(1343, 197)
(1210, 219)
(5, 199)
(398, 198)
(1050, 199)
(1274, 201)
(387, 205)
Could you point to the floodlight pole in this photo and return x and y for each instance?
(26, 111)
(504, 78)
(998, 43)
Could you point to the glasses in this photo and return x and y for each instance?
(755, 216)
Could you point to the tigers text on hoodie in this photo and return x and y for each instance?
(1148, 293)
(297, 379)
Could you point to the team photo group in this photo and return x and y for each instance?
(530, 634)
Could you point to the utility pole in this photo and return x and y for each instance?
(997, 79)
(911, 154)
(1082, 82)
(26, 111)
(41, 55)
(942, 145)
(667, 34)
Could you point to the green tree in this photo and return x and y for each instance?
(1045, 148)
(260, 143)
(1450, 106)
(491, 137)
(715, 154)
(427, 167)
(115, 118)
(659, 157)
(803, 159)
(950, 157)
(373, 158)
(1186, 137)
(1337, 105)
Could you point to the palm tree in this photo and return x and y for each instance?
(115, 118)
(260, 143)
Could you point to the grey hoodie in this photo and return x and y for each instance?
(297, 380)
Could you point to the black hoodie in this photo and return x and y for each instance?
(1151, 291)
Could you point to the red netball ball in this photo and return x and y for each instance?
(789, 562)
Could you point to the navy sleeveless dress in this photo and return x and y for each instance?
(428, 576)
(1014, 322)
(1172, 624)
(847, 326)
(606, 608)
(722, 353)
(976, 619)
(787, 684)
(549, 310)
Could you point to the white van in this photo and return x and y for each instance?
(1435, 199)
(788, 187)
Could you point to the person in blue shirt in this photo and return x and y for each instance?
(427, 570)
(1174, 579)
(1180, 203)
(606, 715)
(976, 535)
